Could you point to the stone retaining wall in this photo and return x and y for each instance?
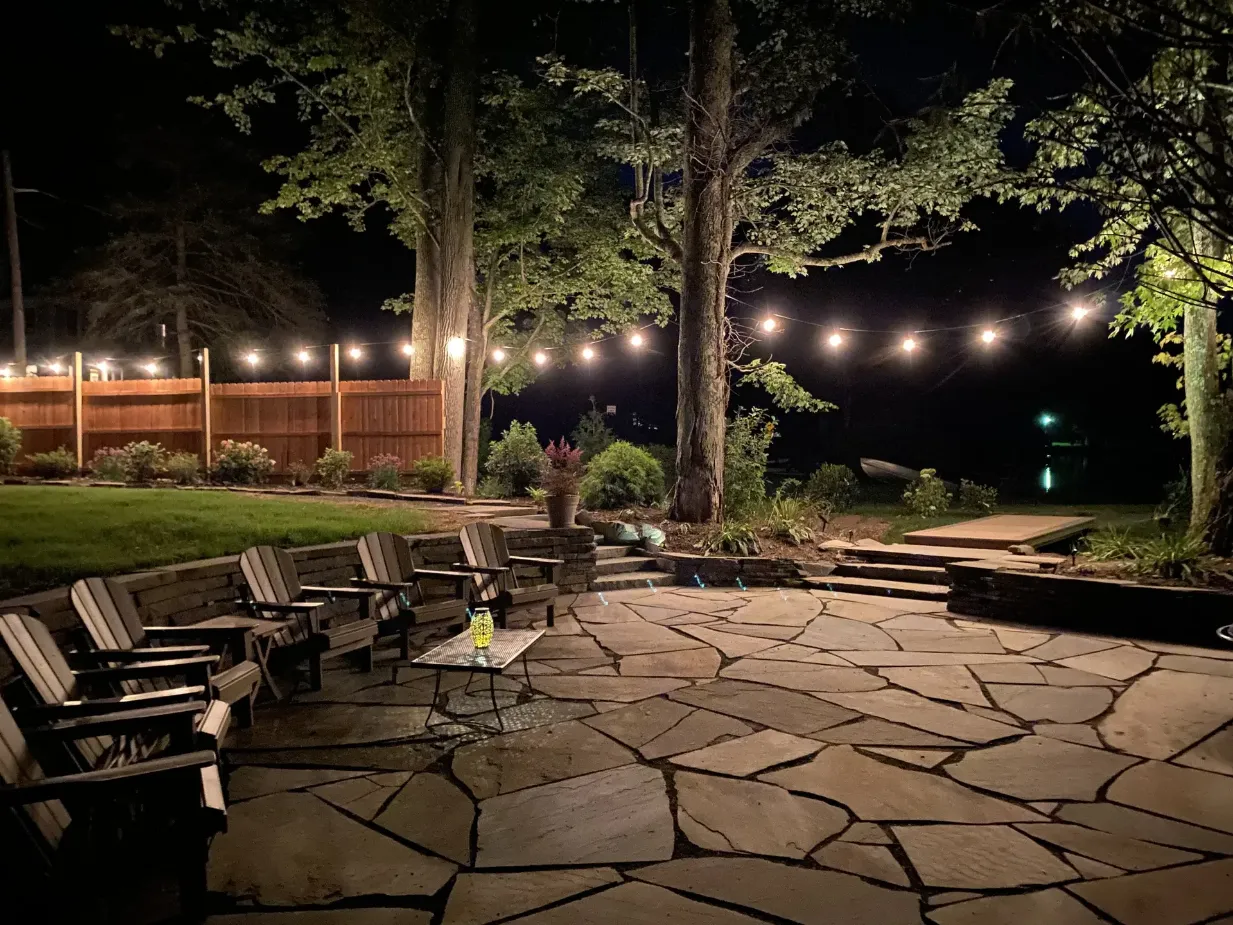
(724, 570)
(1167, 614)
(180, 595)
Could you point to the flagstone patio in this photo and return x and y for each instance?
(711, 757)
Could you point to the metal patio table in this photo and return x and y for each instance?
(460, 654)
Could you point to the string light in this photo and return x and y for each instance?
(636, 340)
(5, 372)
(541, 358)
(101, 365)
(56, 367)
(909, 344)
(355, 353)
(769, 325)
(1079, 312)
(588, 353)
(151, 368)
(1170, 273)
(302, 356)
(498, 355)
(253, 358)
(988, 336)
(456, 347)
(835, 340)
(407, 350)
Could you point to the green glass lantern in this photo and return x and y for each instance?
(481, 628)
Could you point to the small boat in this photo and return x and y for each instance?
(882, 471)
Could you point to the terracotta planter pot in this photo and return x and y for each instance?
(561, 510)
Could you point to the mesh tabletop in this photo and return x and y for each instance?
(461, 654)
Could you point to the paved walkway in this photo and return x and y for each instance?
(718, 757)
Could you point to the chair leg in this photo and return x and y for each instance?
(314, 671)
(242, 709)
(365, 655)
(552, 613)
(404, 644)
(501, 617)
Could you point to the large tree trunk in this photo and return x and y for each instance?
(184, 341)
(477, 354)
(457, 221)
(1202, 387)
(426, 315)
(702, 381)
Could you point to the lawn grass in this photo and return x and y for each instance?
(51, 536)
(1135, 517)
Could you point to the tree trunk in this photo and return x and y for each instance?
(457, 221)
(1202, 387)
(183, 340)
(10, 227)
(477, 354)
(702, 381)
(426, 316)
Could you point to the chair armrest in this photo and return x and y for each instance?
(71, 709)
(440, 573)
(482, 569)
(196, 670)
(290, 607)
(237, 638)
(534, 560)
(152, 654)
(336, 592)
(143, 719)
(80, 786)
(385, 585)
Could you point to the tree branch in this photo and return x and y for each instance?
(867, 254)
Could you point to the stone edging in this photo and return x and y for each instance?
(1097, 605)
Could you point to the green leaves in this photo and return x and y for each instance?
(777, 382)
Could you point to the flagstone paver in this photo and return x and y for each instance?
(1178, 896)
(794, 652)
(612, 613)
(979, 857)
(808, 897)
(692, 663)
(803, 677)
(729, 644)
(697, 730)
(477, 899)
(368, 916)
(828, 632)
(1196, 664)
(898, 659)
(855, 607)
(912, 710)
(1057, 704)
(640, 638)
(636, 904)
(1121, 664)
(873, 861)
(1089, 869)
(792, 608)
(919, 757)
(577, 687)
(787, 711)
(1009, 674)
(1069, 732)
(947, 641)
(1166, 712)
(552, 647)
(639, 723)
(749, 754)
(876, 791)
(1054, 907)
(319, 724)
(725, 814)
(608, 817)
(1119, 850)
(505, 763)
(1065, 646)
(943, 682)
(363, 796)
(1179, 793)
(1212, 754)
(866, 833)
(1038, 768)
(1073, 677)
(1019, 640)
(249, 782)
(1122, 820)
(434, 814)
(880, 732)
(760, 631)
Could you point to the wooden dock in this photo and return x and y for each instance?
(1002, 531)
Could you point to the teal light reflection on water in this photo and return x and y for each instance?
(1046, 479)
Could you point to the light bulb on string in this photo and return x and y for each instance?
(588, 353)
(101, 366)
(498, 355)
(541, 358)
(769, 325)
(5, 372)
(835, 340)
(252, 358)
(1079, 312)
(151, 368)
(909, 344)
(456, 347)
(407, 350)
(56, 367)
(635, 340)
(302, 356)
(989, 336)
(355, 353)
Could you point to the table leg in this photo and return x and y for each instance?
(436, 692)
(492, 692)
(261, 649)
(527, 673)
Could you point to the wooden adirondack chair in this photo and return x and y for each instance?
(55, 692)
(180, 793)
(495, 582)
(275, 593)
(109, 614)
(400, 601)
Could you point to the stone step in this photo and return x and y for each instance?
(915, 574)
(632, 580)
(905, 554)
(879, 586)
(625, 564)
(611, 552)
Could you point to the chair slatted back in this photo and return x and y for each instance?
(271, 576)
(387, 557)
(48, 675)
(47, 821)
(108, 612)
(483, 544)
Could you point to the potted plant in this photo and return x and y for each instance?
(562, 472)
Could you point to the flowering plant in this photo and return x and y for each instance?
(242, 463)
(383, 471)
(562, 469)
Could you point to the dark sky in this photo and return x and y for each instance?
(76, 96)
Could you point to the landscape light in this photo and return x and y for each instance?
(769, 325)
(252, 358)
(909, 344)
(1078, 313)
(456, 347)
(151, 368)
(541, 358)
(636, 340)
(355, 353)
(988, 336)
(588, 353)
(302, 356)
(498, 355)
(835, 340)
(407, 350)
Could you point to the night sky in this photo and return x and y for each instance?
(76, 98)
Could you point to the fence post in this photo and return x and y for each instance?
(335, 401)
(79, 448)
(207, 429)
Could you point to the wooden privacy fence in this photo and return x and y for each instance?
(295, 421)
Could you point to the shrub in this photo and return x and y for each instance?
(927, 496)
(745, 452)
(490, 487)
(974, 497)
(621, 476)
(665, 455)
(516, 460)
(108, 464)
(788, 519)
(562, 469)
(833, 486)
(333, 468)
(10, 444)
(592, 435)
(1110, 543)
(733, 537)
(242, 463)
(299, 472)
(1174, 555)
(383, 472)
(184, 468)
(433, 473)
(143, 460)
(58, 464)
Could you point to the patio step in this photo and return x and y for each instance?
(616, 566)
(632, 580)
(904, 553)
(915, 574)
(610, 552)
(880, 586)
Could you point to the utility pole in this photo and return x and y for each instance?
(10, 226)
